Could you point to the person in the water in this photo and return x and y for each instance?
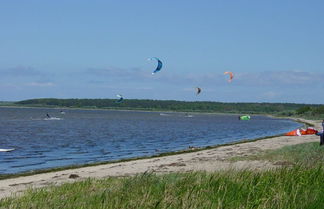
(47, 115)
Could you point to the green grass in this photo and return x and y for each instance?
(307, 154)
(295, 187)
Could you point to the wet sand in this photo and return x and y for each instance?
(215, 159)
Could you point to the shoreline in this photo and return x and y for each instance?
(208, 159)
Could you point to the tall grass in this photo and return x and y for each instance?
(295, 187)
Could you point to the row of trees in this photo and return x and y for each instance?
(172, 105)
(311, 110)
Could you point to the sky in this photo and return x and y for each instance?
(97, 49)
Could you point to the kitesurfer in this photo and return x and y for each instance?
(47, 115)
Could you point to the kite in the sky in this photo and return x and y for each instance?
(158, 67)
(230, 74)
(120, 98)
(198, 90)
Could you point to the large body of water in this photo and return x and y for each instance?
(86, 136)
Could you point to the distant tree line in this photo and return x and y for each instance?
(307, 110)
(287, 109)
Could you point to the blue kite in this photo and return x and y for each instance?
(120, 98)
(159, 66)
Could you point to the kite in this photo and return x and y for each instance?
(230, 74)
(198, 90)
(120, 98)
(244, 117)
(159, 66)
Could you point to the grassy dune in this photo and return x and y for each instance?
(295, 187)
(298, 185)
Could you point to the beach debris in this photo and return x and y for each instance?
(230, 74)
(73, 176)
(120, 98)
(283, 163)
(158, 67)
(173, 164)
(198, 90)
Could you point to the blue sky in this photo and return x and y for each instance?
(97, 49)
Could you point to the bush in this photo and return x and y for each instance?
(319, 110)
(303, 110)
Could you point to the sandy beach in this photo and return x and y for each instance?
(207, 160)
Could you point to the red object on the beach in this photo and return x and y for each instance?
(299, 132)
(295, 132)
(311, 130)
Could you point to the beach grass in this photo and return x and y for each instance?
(307, 154)
(287, 187)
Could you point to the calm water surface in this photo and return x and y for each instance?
(85, 136)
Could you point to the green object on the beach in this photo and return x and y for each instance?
(245, 117)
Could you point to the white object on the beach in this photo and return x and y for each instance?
(6, 150)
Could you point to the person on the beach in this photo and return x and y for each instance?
(322, 135)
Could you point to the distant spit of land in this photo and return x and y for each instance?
(312, 111)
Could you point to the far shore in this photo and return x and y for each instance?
(155, 111)
(210, 160)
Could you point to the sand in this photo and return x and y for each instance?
(215, 159)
